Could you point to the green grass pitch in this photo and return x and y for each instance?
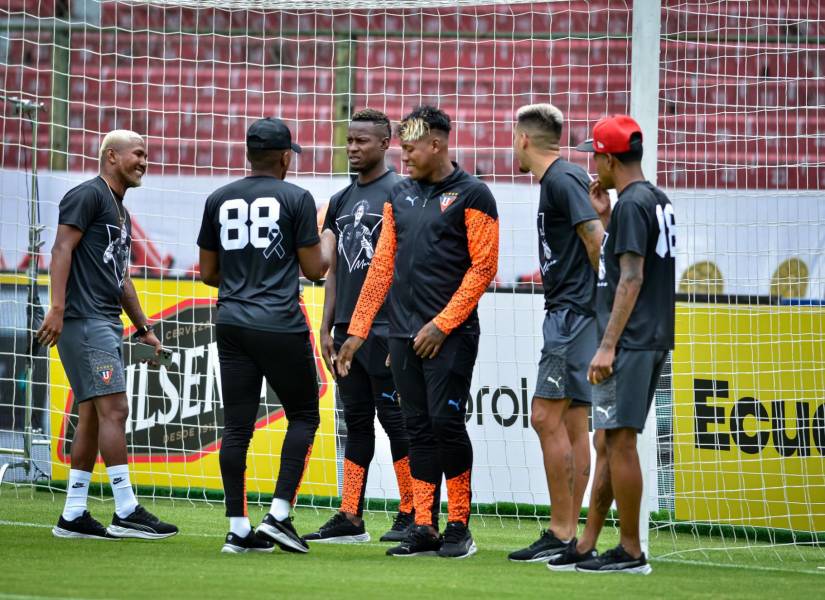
(33, 564)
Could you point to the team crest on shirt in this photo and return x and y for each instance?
(117, 251)
(356, 242)
(447, 198)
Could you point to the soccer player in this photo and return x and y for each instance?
(439, 251)
(635, 312)
(570, 237)
(354, 218)
(255, 233)
(90, 287)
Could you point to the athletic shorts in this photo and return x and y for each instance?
(569, 346)
(435, 387)
(624, 398)
(91, 351)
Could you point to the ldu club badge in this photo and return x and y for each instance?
(447, 198)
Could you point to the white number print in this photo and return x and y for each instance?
(263, 230)
(233, 215)
(667, 230)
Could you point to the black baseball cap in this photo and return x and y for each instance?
(270, 134)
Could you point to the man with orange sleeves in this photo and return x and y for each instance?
(442, 224)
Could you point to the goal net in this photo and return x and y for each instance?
(739, 420)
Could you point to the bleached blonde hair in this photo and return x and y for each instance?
(117, 138)
(542, 122)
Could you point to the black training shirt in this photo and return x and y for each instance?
(101, 260)
(256, 225)
(642, 223)
(354, 215)
(568, 277)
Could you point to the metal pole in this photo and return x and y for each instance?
(644, 107)
(28, 110)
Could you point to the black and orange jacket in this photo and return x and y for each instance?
(439, 252)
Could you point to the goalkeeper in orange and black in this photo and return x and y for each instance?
(442, 225)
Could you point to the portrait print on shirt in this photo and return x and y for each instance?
(356, 243)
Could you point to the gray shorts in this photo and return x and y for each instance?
(569, 346)
(624, 398)
(91, 351)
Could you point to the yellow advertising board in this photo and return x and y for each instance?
(174, 426)
(749, 415)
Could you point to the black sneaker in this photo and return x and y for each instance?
(419, 542)
(339, 530)
(567, 560)
(458, 543)
(236, 544)
(542, 550)
(282, 533)
(615, 560)
(401, 526)
(141, 524)
(83, 527)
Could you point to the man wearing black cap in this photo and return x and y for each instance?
(635, 313)
(255, 234)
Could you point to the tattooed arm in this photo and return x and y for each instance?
(591, 234)
(627, 292)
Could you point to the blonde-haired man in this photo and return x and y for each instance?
(90, 287)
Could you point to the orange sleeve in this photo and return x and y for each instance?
(482, 242)
(379, 278)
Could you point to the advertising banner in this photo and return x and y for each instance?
(749, 415)
(176, 414)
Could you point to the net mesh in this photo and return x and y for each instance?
(739, 414)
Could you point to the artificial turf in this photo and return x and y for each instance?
(34, 564)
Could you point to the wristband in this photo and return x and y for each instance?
(142, 331)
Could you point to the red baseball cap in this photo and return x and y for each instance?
(611, 135)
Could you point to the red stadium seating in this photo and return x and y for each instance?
(739, 114)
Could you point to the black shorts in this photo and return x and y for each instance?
(569, 346)
(91, 351)
(286, 360)
(437, 387)
(624, 398)
(372, 355)
(369, 383)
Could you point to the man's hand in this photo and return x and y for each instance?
(343, 361)
(599, 198)
(328, 351)
(52, 327)
(601, 367)
(152, 340)
(428, 341)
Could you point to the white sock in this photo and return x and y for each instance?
(280, 509)
(240, 526)
(76, 494)
(125, 501)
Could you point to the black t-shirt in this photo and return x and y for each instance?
(101, 259)
(256, 225)
(568, 277)
(354, 216)
(642, 223)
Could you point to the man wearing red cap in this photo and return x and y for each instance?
(635, 312)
